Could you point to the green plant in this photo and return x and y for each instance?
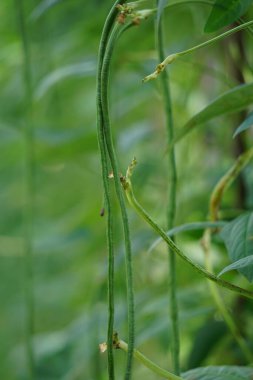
(121, 18)
(62, 289)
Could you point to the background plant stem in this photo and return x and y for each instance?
(29, 192)
(236, 66)
(226, 181)
(171, 205)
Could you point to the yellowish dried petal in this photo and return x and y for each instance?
(102, 347)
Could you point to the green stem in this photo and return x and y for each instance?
(126, 183)
(113, 160)
(174, 56)
(171, 206)
(135, 4)
(29, 203)
(118, 343)
(226, 181)
(107, 198)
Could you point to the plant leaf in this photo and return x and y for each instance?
(42, 8)
(205, 340)
(242, 263)
(219, 373)
(246, 124)
(84, 69)
(225, 12)
(230, 102)
(187, 227)
(238, 238)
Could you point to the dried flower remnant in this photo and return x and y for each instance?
(102, 347)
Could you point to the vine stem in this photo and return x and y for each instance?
(171, 204)
(29, 193)
(172, 57)
(214, 205)
(126, 183)
(120, 344)
(148, 363)
(226, 181)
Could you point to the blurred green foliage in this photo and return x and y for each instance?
(69, 244)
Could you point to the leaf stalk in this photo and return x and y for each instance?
(127, 185)
(172, 57)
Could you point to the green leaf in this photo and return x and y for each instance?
(238, 238)
(219, 373)
(232, 101)
(225, 12)
(242, 263)
(246, 124)
(42, 8)
(85, 69)
(188, 227)
(205, 339)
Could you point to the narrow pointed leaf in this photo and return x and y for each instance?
(226, 12)
(246, 124)
(238, 238)
(232, 101)
(219, 373)
(187, 227)
(206, 338)
(84, 69)
(42, 7)
(242, 263)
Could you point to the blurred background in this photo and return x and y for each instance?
(52, 237)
